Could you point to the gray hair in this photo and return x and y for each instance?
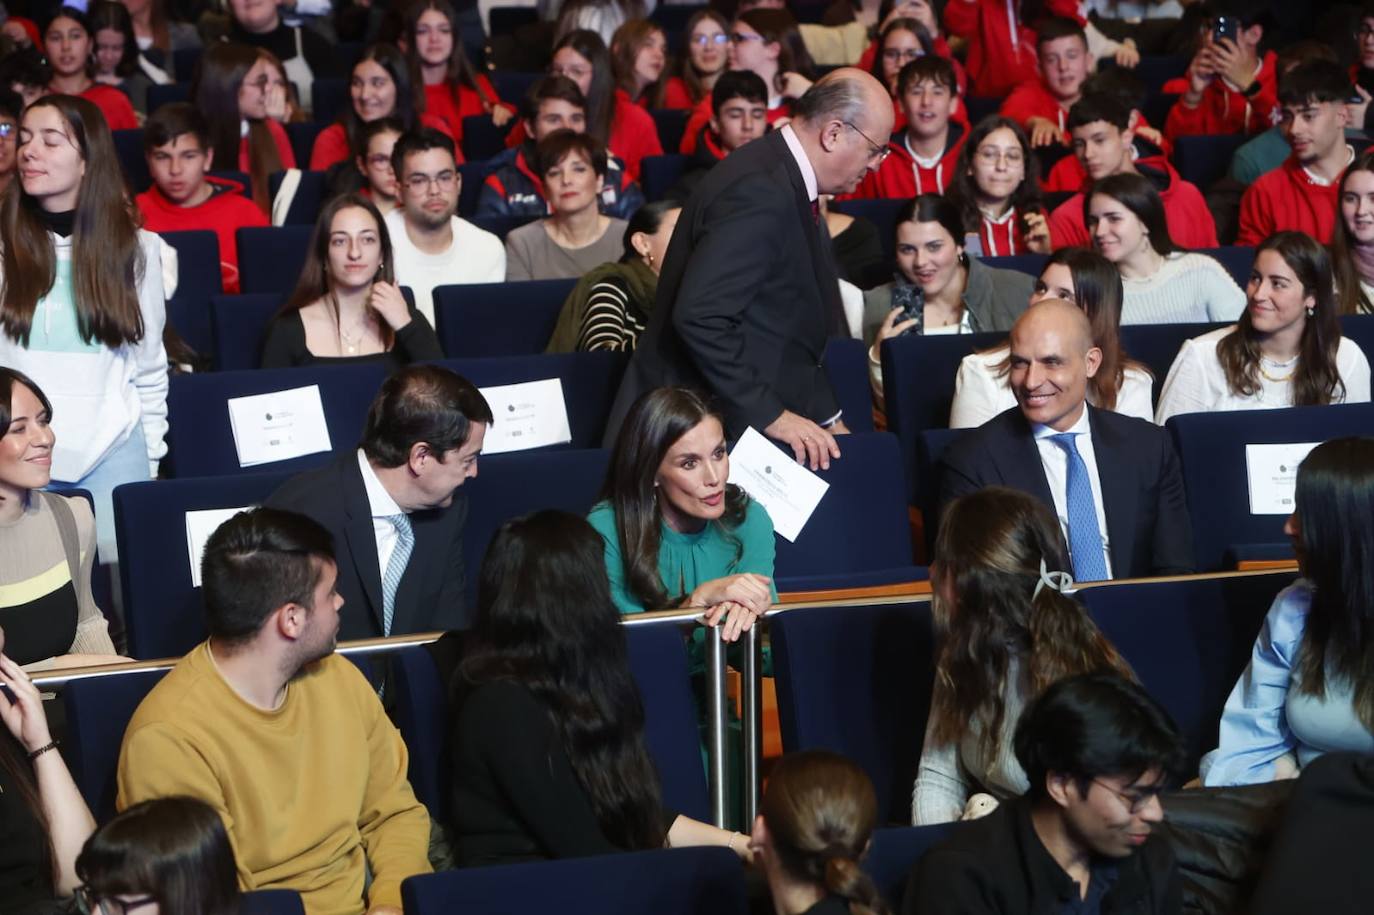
(831, 98)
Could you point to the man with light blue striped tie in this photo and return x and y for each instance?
(1114, 481)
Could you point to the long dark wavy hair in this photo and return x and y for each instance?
(989, 552)
(460, 72)
(656, 421)
(601, 92)
(1137, 194)
(410, 97)
(625, 45)
(901, 24)
(778, 25)
(1316, 380)
(545, 620)
(107, 260)
(1335, 520)
(696, 88)
(964, 191)
(1352, 301)
(215, 91)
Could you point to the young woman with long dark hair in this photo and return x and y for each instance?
(1286, 350)
(1352, 240)
(454, 88)
(69, 44)
(702, 61)
(998, 192)
(1008, 631)
(1309, 688)
(548, 730)
(639, 57)
(81, 303)
(347, 306)
(118, 62)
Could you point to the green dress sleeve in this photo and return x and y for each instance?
(759, 547)
(602, 519)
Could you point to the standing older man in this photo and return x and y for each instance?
(1113, 480)
(748, 294)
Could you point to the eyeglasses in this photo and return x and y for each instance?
(990, 157)
(702, 41)
(876, 150)
(88, 903)
(7, 130)
(741, 37)
(1134, 799)
(573, 73)
(421, 182)
(895, 54)
(1364, 31)
(377, 160)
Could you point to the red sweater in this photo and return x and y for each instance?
(284, 150)
(331, 145)
(1288, 198)
(701, 118)
(1068, 174)
(1223, 110)
(1034, 100)
(224, 213)
(901, 176)
(633, 134)
(1001, 48)
(113, 104)
(676, 94)
(1002, 237)
(451, 102)
(1190, 222)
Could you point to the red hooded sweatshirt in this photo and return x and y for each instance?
(1288, 198)
(1001, 48)
(701, 118)
(901, 176)
(1034, 100)
(1223, 110)
(1190, 222)
(224, 213)
(633, 133)
(1069, 176)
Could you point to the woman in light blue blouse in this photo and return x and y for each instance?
(1309, 688)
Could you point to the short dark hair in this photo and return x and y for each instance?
(421, 139)
(171, 121)
(1099, 106)
(647, 219)
(1094, 725)
(380, 125)
(1315, 81)
(8, 379)
(422, 403)
(559, 88)
(934, 208)
(562, 143)
(1053, 28)
(731, 84)
(27, 67)
(255, 562)
(11, 105)
(931, 67)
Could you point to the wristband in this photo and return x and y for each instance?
(50, 745)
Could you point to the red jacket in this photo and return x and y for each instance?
(701, 117)
(1002, 237)
(1190, 222)
(1288, 198)
(224, 213)
(633, 133)
(676, 94)
(1034, 100)
(1001, 48)
(1223, 110)
(279, 137)
(451, 102)
(1068, 174)
(938, 46)
(113, 104)
(331, 145)
(901, 177)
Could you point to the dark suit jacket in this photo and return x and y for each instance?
(1142, 485)
(746, 297)
(430, 595)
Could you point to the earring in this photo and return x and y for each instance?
(1311, 312)
(650, 258)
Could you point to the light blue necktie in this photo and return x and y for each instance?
(395, 567)
(1085, 538)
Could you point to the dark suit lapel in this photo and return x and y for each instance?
(1120, 495)
(817, 242)
(1020, 464)
(362, 541)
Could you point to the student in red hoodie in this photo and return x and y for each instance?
(925, 156)
(1301, 193)
(176, 142)
(1068, 175)
(1042, 106)
(739, 103)
(1103, 143)
(998, 195)
(1001, 46)
(1229, 87)
(70, 47)
(454, 88)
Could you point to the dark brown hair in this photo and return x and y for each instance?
(696, 89)
(600, 99)
(964, 192)
(221, 72)
(410, 93)
(460, 71)
(562, 143)
(1353, 301)
(625, 46)
(107, 260)
(777, 25)
(1137, 194)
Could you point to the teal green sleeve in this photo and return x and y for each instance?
(602, 519)
(759, 547)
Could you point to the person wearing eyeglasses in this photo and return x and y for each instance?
(1097, 751)
(998, 193)
(431, 245)
(374, 178)
(703, 60)
(11, 107)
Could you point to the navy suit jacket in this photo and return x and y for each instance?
(430, 596)
(1142, 484)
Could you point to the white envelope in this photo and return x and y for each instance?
(278, 426)
(530, 414)
(787, 489)
(199, 526)
(1272, 472)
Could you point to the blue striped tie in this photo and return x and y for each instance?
(1085, 538)
(396, 567)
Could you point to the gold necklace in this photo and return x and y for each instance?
(1282, 378)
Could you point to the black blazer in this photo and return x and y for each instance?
(1142, 485)
(430, 595)
(746, 298)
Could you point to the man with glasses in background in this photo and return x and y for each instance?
(430, 244)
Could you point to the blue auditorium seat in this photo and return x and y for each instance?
(163, 614)
(1211, 447)
(302, 136)
(329, 97)
(857, 680)
(238, 322)
(510, 85)
(165, 95)
(930, 448)
(1360, 328)
(98, 709)
(846, 367)
(271, 257)
(1203, 160)
(198, 280)
(590, 382)
(981, 107)
(672, 881)
(201, 440)
(482, 139)
(658, 174)
(500, 226)
(1237, 259)
(1157, 107)
(894, 852)
(271, 902)
(883, 215)
(840, 547)
(1157, 345)
(305, 205)
(498, 319)
(670, 123)
(1031, 264)
(473, 175)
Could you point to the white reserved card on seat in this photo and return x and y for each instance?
(787, 489)
(530, 414)
(1273, 475)
(278, 426)
(199, 526)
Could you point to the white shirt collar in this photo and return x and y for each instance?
(1082, 427)
(379, 501)
(1319, 181)
(924, 163)
(795, 148)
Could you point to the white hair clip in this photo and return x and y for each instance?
(1055, 581)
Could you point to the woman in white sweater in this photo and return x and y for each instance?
(1161, 284)
(1286, 350)
(81, 305)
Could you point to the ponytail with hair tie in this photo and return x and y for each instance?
(844, 877)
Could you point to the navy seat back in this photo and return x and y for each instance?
(930, 448)
(482, 139)
(239, 322)
(511, 85)
(498, 319)
(98, 710)
(670, 124)
(894, 852)
(501, 226)
(1032, 264)
(1205, 159)
(658, 174)
(473, 174)
(201, 440)
(159, 95)
(302, 136)
(1188, 641)
(328, 98)
(198, 279)
(422, 717)
(305, 205)
(857, 680)
(882, 213)
(1237, 259)
(841, 546)
(163, 613)
(271, 257)
(671, 881)
(1157, 107)
(1359, 328)
(1157, 345)
(846, 367)
(980, 107)
(590, 382)
(1211, 447)
(271, 902)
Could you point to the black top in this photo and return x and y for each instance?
(281, 41)
(25, 878)
(859, 255)
(284, 346)
(830, 905)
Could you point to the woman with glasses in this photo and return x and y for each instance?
(169, 856)
(902, 41)
(702, 61)
(998, 193)
(575, 237)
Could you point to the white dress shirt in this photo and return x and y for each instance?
(1056, 463)
(382, 506)
(981, 391)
